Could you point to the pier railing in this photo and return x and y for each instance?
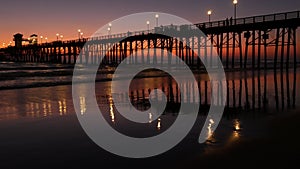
(251, 20)
(221, 23)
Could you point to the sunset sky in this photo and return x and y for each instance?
(48, 17)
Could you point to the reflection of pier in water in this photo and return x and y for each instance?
(257, 90)
(36, 109)
(30, 103)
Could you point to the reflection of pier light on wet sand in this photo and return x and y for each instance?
(150, 117)
(158, 124)
(237, 125)
(49, 107)
(236, 131)
(37, 108)
(236, 128)
(236, 134)
(60, 108)
(32, 109)
(82, 105)
(64, 106)
(210, 133)
(45, 109)
(111, 110)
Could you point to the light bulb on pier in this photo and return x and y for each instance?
(79, 32)
(148, 26)
(209, 12)
(156, 17)
(235, 2)
(109, 29)
(57, 35)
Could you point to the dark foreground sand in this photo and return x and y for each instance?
(279, 148)
(59, 142)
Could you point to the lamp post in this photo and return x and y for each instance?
(61, 37)
(41, 39)
(235, 2)
(209, 12)
(46, 39)
(148, 26)
(57, 35)
(81, 35)
(79, 32)
(109, 29)
(156, 18)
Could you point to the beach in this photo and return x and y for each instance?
(59, 141)
(39, 128)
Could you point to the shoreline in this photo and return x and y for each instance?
(68, 74)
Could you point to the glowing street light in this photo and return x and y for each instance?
(3, 44)
(41, 39)
(110, 25)
(235, 2)
(79, 32)
(108, 29)
(156, 17)
(61, 37)
(209, 12)
(57, 35)
(148, 26)
(46, 39)
(81, 35)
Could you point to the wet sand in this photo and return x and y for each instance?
(278, 148)
(39, 129)
(60, 142)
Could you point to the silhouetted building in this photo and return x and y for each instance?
(18, 38)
